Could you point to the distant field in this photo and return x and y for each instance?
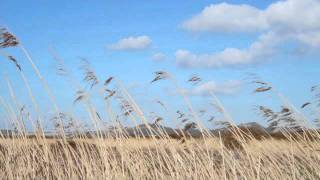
(158, 158)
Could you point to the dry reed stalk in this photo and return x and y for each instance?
(189, 105)
(43, 81)
(26, 83)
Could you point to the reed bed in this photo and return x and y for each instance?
(290, 149)
(163, 159)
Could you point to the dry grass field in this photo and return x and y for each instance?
(157, 159)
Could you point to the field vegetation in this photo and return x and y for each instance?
(288, 148)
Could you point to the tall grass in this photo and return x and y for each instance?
(72, 152)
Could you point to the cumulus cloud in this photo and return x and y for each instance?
(289, 15)
(280, 22)
(227, 17)
(158, 57)
(205, 89)
(131, 43)
(264, 47)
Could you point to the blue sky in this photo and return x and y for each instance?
(217, 40)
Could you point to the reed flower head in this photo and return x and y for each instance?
(160, 75)
(194, 79)
(7, 39)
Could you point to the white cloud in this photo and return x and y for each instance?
(227, 88)
(262, 48)
(289, 16)
(227, 17)
(282, 21)
(158, 57)
(229, 56)
(131, 43)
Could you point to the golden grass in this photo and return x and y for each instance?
(157, 159)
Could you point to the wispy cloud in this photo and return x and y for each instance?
(131, 43)
(280, 22)
(158, 57)
(227, 88)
